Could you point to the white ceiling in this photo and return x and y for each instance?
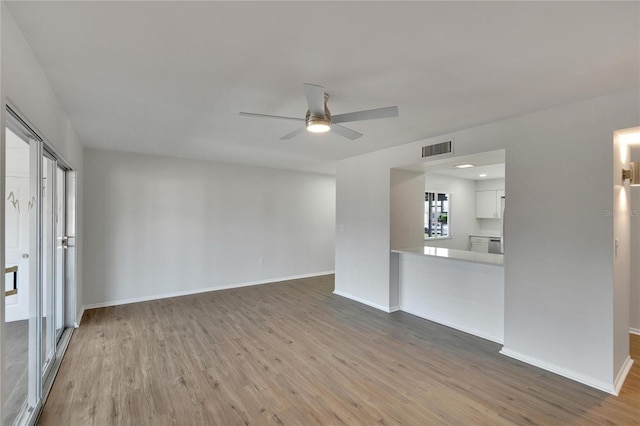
(170, 77)
(491, 171)
(491, 163)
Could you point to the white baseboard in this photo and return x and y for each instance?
(363, 301)
(634, 331)
(394, 308)
(200, 290)
(456, 327)
(79, 318)
(622, 375)
(578, 377)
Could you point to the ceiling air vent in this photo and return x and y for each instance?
(437, 149)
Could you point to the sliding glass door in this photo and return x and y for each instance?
(60, 218)
(35, 243)
(20, 273)
(48, 261)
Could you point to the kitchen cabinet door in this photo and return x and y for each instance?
(479, 244)
(486, 205)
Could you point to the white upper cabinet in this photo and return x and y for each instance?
(488, 205)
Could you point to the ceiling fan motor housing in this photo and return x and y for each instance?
(316, 123)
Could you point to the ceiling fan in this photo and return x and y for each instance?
(319, 119)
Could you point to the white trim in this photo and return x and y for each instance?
(622, 375)
(79, 318)
(634, 331)
(394, 308)
(363, 301)
(200, 290)
(456, 327)
(578, 377)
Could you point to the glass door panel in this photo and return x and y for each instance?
(60, 220)
(48, 261)
(21, 253)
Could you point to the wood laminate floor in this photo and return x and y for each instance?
(293, 353)
(15, 377)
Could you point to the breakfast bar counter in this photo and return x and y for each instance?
(465, 255)
(457, 288)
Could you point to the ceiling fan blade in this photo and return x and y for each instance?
(345, 132)
(315, 99)
(294, 133)
(370, 114)
(251, 114)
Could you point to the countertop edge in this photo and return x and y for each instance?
(459, 255)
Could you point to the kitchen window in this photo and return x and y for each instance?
(437, 220)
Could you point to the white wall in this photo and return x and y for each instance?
(407, 209)
(634, 315)
(26, 88)
(158, 226)
(462, 216)
(559, 306)
(621, 259)
(363, 229)
(489, 184)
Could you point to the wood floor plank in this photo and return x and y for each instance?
(294, 353)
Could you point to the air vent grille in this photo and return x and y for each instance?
(437, 149)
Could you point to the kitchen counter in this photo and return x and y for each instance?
(458, 288)
(464, 255)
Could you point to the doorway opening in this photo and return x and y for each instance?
(630, 139)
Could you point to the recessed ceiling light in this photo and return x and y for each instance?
(464, 166)
(482, 175)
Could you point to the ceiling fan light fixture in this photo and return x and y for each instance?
(318, 124)
(319, 118)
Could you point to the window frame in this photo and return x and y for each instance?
(430, 220)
